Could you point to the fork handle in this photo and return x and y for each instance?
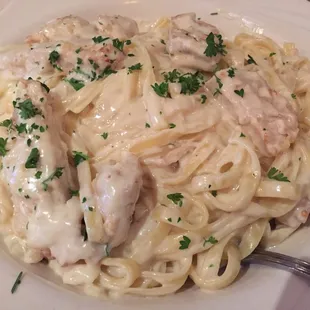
(281, 261)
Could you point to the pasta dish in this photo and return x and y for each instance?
(135, 156)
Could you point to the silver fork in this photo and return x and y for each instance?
(292, 264)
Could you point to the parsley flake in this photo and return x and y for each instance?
(27, 109)
(79, 157)
(176, 198)
(56, 174)
(211, 240)
(239, 92)
(6, 123)
(251, 60)
(3, 143)
(105, 135)
(162, 42)
(169, 219)
(213, 47)
(137, 66)
(277, 175)
(147, 125)
(76, 84)
(190, 83)
(184, 244)
(38, 174)
(171, 125)
(17, 282)
(161, 89)
(74, 192)
(293, 96)
(272, 54)
(203, 99)
(231, 72)
(214, 193)
(172, 76)
(32, 159)
(53, 58)
(242, 135)
(84, 200)
(99, 39)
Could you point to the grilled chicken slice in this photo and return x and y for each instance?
(117, 189)
(265, 116)
(39, 178)
(187, 43)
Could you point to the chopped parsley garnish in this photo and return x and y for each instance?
(215, 13)
(184, 244)
(94, 64)
(171, 125)
(272, 54)
(56, 174)
(53, 58)
(169, 219)
(78, 50)
(107, 71)
(79, 61)
(214, 193)
(131, 55)
(147, 125)
(220, 84)
(251, 60)
(74, 192)
(190, 83)
(137, 66)
(91, 209)
(46, 88)
(99, 39)
(27, 109)
(27, 196)
(211, 240)
(3, 143)
(76, 84)
(179, 220)
(161, 89)
(38, 174)
(17, 282)
(176, 198)
(41, 99)
(242, 135)
(162, 42)
(277, 175)
(105, 135)
(120, 44)
(172, 76)
(84, 200)
(293, 96)
(79, 157)
(32, 159)
(29, 142)
(213, 47)
(6, 123)
(239, 92)
(42, 129)
(203, 99)
(231, 72)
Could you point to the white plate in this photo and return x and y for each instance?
(259, 288)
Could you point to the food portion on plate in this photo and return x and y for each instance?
(137, 155)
